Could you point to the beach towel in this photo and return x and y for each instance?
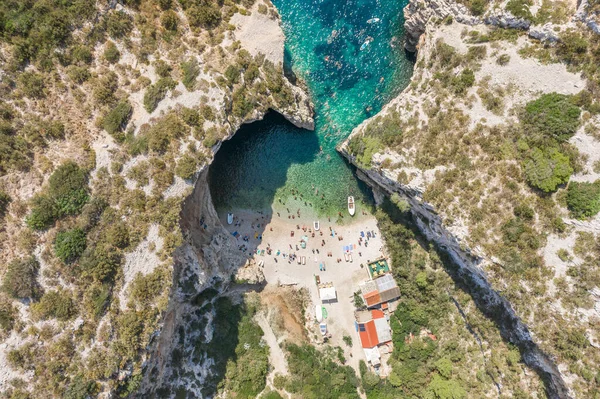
(362, 233)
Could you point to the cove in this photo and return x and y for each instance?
(267, 163)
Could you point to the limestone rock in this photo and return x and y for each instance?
(546, 33)
(418, 13)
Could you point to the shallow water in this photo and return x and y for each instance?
(270, 162)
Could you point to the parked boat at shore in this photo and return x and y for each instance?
(316, 225)
(351, 206)
(230, 218)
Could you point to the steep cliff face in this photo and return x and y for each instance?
(467, 272)
(433, 146)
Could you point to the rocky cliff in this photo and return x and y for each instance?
(441, 147)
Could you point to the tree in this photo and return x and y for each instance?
(583, 199)
(552, 115)
(445, 389)
(20, 280)
(548, 169)
(69, 245)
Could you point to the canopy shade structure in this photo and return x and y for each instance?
(327, 294)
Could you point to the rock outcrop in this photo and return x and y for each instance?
(418, 13)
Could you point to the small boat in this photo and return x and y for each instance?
(365, 44)
(323, 328)
(373, 20)
(351, 207)
(316, 225)
(230, 218)
(319, 313)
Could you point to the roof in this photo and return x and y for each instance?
(327, 294)
(372, 298)
(368, 334)
(385, 282)
(384, 332)
(379, 290)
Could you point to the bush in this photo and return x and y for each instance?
(548, 169)
(162, 68)
(100, 262)
(478, 7)
(520, 8)
(80, 388)
(115, 120)
(66, 194)
(69, 245)
(552, 115)
(583, 199)
(190, 70)
(118, 24)
(169, 21)
(168, 128)
(190, 116)
(503, 59)
(4, 201)
(32, 85)
(186, 166)
(54, 305)
(111, 53)
(8, 314)
(462, 82)
(156, 92)
(20, 280)
(232, 73)
(105, 88)
(82, 54)
(205, 16)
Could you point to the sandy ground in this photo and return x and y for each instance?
(345, 276)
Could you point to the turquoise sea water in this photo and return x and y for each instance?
(269, 163)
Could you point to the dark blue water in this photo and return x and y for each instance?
(269, 162)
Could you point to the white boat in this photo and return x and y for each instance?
(351, 207)
(323, 328)
(365, 44)
(319, 313)
(316, 225)
(230, 218)
(373, 20)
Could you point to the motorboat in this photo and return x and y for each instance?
(365, 44)
(373, 20)
(230, 218)
(351, 206)
(316, 225)
(323, 328)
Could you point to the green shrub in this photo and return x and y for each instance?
(168, 128)
(162, 68)
(117, 235)
(79, 74)
(54, 305)
(503, 59)
(583, 199)
(478, 7)
(32, 84)
(186, 166)
(20, 280)
(105, 88)
(190, 70)
(100, 262)
(207, 15)
(80, 388)
(190, 116)
(82, 54)
(111, 53)
(548, 169)
(69, 245)
(66, 194)
(169, 21)
(156, 92)
(8, 315)
(116, 119)
(462, 82)
(118, 24)
(4, 202)
(232, 73)
(552, 115)
(520, 8)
